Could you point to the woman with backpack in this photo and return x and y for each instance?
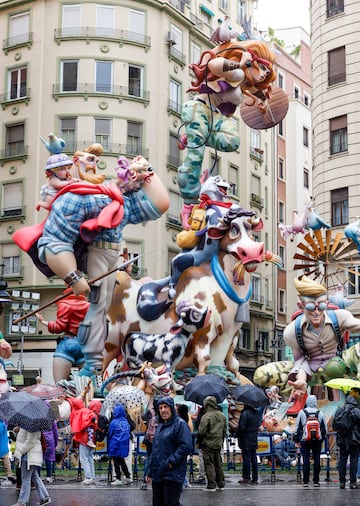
(118, 444)
(346, 423)
(310, 431)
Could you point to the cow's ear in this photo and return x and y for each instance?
(259, 225)
(216, 232)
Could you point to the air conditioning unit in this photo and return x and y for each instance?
(170, 39)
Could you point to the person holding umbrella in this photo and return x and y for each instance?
(29, 452)
(247, 430)
(212, 431)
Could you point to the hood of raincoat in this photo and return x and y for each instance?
(170, 402)
(95, 405)
(118, 411)
(311, 401)
(210, 403)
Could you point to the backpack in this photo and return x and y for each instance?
(312, 430)
(102, 428)
(335, 325)
(343, 422)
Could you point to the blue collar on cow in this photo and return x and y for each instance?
(223, 282)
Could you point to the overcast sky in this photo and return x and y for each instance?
(282, 14)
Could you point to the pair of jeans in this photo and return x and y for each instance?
(166, 493)
(213, 468)
(250, 465)
(308, 447)
(86, 455)
(28, 475)
(353, 453)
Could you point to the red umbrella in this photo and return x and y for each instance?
(44, 391)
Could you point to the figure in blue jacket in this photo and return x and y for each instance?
(171, 446)
(118, 444)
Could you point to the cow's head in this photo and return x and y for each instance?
(235, 233)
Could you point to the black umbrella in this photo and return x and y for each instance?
(26, 411)
(203, 386)
(250, 395)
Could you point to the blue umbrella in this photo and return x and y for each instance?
(20, 409)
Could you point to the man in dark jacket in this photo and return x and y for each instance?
(249, 422)
(212, 431)
(349, 443)
(171, 446)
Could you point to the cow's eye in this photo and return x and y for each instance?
(234, 231)
(195, 316)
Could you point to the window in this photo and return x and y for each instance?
(339, 207)
(71, 20)
(134, 141)
(68, 132)
(175, 207)
(255, 189)
(306, 137)
(15, 140)
(176, 36)
(10, 259)
(281, 301)
(103, 76)
(306, 100)
(281, 128)
(137, 25)
(195, 52)
(296, 92)
(282, 255)
(19, 29)
(281, 209)
(134, 249)
(255, 139)
(174, 153)
(214, 165)
(306, 179)
(223, 4)
(281, 80)
(12, 199)
(17, 83)
(336, 66)
(256, 288)
(135, 80)
(353, 285)
(69, 75)
(233, 180)
(334, 7)
(244, 339)
(281, 168)
(102, 132)
(104, 20)
(338, 135)
(262, 343)
(241, 11)
(175, 96)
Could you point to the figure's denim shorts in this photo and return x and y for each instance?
(69, 349)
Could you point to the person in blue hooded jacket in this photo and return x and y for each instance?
(118, 444)
(171, 446)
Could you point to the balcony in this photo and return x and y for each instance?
(257, 299)
(93, 33)
(174, 107)
(173, 221)
(110, 148)
(23, 40)
(177, 56)
(11, 214)
(257, 154)
(256, 200)
(93, 89)
(16, 151)
(7, 99)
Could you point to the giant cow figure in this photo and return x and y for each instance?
(222, 285)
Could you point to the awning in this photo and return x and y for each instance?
(206, 10)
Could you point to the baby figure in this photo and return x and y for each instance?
(57, 171)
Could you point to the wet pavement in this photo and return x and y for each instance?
(284, 490)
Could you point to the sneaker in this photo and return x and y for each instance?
(127, 481)
(44, 501)
(305, 484)
(316, 485)
(246, 481)
(116, 482)
(49, 479)
(342, 485)
(254, 482)
(207, 489)
(88, 481)
(220, 489)
(353, 485)
(12, 479)
(143, 486)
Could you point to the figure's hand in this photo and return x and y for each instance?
(299, 389)
(81, 287)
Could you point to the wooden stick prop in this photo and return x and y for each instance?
(90, 282)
